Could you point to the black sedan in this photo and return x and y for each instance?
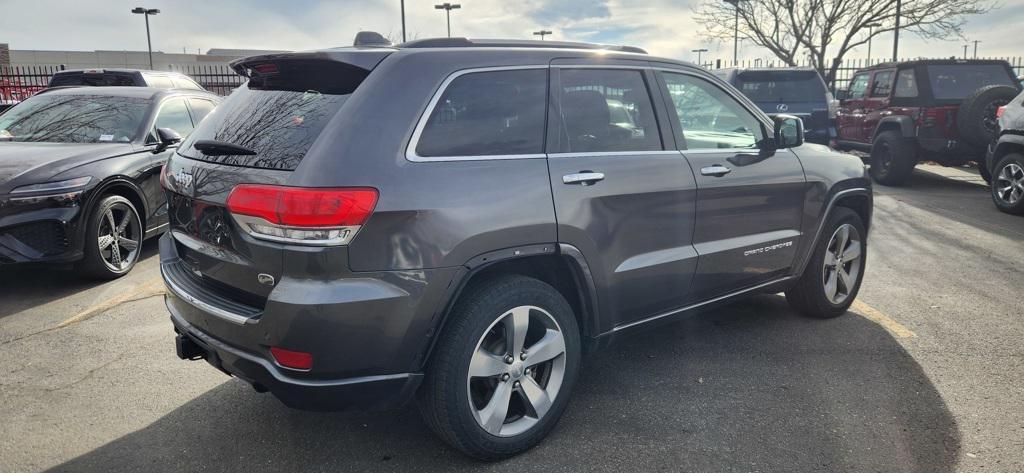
(80, 170)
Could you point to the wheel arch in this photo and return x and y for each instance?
(123, 187)
(1008, 143)
(902, 124)
(560, 266)
(858, 199)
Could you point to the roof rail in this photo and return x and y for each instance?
(512, 43)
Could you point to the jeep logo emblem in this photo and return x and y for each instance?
(782, 107)
(183, 179)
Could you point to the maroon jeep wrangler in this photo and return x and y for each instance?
(936, 110)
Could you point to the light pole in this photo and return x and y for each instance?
(976, 48)
(735, 31)
(149, 44)
(448, 7)
(541, 33)
(871, 34)
(403, 21)
(896, 33)
(698, 51)
(965, 50)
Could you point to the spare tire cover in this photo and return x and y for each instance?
(976, 119)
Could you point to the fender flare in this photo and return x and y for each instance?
(905, 124)
(96, 192)
(577, 264)
(836, 196)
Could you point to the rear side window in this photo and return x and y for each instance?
(160, 82)
(883, 84)
(607, 110)
(173, 114)
(180, 83)
(906, 84)
(488, 114)
(278, 113)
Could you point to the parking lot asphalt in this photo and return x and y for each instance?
(925, 374)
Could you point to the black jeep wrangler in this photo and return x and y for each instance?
(935, 110)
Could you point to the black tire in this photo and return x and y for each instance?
(893, 158)
(808, 296)
(984, 170)
(976, 118)
(96, 264)
(444, 398)
(1007, 174)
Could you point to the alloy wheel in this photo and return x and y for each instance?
(516, 371)
(842, 263)
(1009, 184)
(120, 236)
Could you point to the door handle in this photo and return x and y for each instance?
(716, 170)
(583, 178)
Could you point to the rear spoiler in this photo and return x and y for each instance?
(363, 58)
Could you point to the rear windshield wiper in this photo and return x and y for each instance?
(221, 148)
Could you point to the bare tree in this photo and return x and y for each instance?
(818, 29)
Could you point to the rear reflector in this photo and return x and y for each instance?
(1000, 111)
(292, 359)
(312, 216)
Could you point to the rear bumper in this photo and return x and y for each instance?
(368, 333)
(942, 149)
(366, 392)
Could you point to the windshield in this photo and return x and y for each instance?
(956, 81)
(60, 118)
(781, 86)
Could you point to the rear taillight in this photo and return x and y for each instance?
(1000, 111)
(308, 216)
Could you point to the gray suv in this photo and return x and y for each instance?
(458, 222)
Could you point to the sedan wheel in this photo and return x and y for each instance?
(119, 237)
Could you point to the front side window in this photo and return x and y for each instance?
(883, 84)
(74, 118)
(607, 110)
(906, 84)
(494, 113)
(711, 118)
(858, 86)
(174, 115)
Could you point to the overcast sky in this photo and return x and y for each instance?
(663, 27)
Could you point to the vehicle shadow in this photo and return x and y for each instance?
(751, 387)
(25, 286)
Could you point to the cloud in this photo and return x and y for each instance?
(663, 27)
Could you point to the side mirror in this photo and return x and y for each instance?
(842, 94)
(789, 131)
(167, 137)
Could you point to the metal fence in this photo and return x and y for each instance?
(846, 69)
(20, 82)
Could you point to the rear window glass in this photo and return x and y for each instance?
(488, 114)
(957, 81)
(100, 79)
(883, 84)
(277, 114)
(781, 86)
